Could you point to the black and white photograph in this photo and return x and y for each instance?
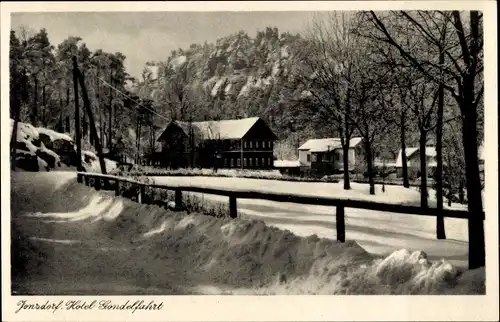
(225, 152)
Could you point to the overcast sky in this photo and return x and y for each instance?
(147, 36)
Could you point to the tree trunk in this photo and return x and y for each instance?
(423, 170)
(369, 163)
(68, 125)
(16, 115)
(138, 138)
(473, 181)
(61, 120)
(77, 117)
(404, 160)
(99, 110)
(345, 157)
(84, 124)
(110, 114)
(34, 114)
(44, 109)
(86, 103)
(438, 175)
(25, 88)
(347, 112)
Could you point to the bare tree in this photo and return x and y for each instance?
(327, 60)
(464, 54)
(370, 86)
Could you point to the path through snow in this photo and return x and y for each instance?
(69, 239)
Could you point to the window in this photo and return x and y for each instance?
(245, 144)
(263, 162)
(245, 162)
(250, 143)
(256, 144)
(238, 164)
(250, 160)
(313, 158)
(256, 162)
(232, 162)
(225, 163)
(269, 161)
(308, 158)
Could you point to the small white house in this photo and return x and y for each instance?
(327, 154)
(413, 161)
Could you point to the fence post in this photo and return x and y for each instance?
(340, 223)
(87, 180)
(233, 213)
(143, 193)
(117, 187)
(178, 199)
(97, 183)
(79, 178)
(476, 241)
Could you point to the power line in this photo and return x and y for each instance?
(130, 98)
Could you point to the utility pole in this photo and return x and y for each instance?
(77, 118)
(93, 129)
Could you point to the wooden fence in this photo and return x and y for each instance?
(476, 221)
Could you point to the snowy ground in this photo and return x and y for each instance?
(70, 239)
(377, 232)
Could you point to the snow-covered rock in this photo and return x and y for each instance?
(50, 157)
(29, 161)
(39, 148)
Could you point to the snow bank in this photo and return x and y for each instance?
(286, 163)
(246, 256)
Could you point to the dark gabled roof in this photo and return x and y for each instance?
(219, 130)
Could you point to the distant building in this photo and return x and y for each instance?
(243, 143)
(291, 167)
(413, 162)
(326, 155)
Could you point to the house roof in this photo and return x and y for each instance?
(223, 130)
(323, 145)
(430, 151)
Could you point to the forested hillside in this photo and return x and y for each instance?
(238, 76)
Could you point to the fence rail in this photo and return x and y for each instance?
(475, 237)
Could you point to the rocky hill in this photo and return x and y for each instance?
(238, 76)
